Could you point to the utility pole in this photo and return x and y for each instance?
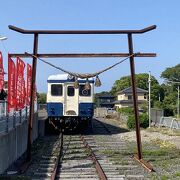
(178, 104)
(149, 81)
(176, 82)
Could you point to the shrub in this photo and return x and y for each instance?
(126, 111)
(131, 122)
(144, 121)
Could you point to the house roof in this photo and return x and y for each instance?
(129, 91)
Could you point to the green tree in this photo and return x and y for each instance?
(171, 75)
(41, 98)
(141, 82)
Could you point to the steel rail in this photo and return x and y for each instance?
(24, 31)
(99, 169)
(82, 55)
(53, 175)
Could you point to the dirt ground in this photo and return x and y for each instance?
(150, 135)
(160, 148)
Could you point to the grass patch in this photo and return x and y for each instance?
(164, 177)
(163, 143)
(167, 131)
(158, 152)
(177, 174)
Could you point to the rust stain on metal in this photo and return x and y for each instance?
(84, 55)
(136, 113)
(143, 163)
(23, 31)
(31, 114)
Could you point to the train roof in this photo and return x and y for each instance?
(65, 78)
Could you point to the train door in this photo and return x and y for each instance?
(71, 100)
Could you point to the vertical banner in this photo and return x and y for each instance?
(11, 85)
(1, 72)
(20, 84)
(28, 87)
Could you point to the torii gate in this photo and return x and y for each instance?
(129, 34)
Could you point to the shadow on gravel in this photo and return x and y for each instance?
(94, 127)
(99, 127)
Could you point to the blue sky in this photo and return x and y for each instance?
(94, 14)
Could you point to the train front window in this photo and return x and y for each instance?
(70, 91)
(56, 90)
(83, 91)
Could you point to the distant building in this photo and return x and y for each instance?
(105, 100)
(6, 86)
(125, 97)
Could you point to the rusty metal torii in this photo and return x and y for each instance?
(129, 34)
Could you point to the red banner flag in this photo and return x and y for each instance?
(11, 84)
(20, 84)
(28, 87)
(1, 72)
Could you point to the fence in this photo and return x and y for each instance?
(14, 135)
(10, 120)
(158, 119)
(42, 106)
(156, 115)
(170, 122)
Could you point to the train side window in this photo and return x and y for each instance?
(83, 91)
(70, 91)
(56, 89)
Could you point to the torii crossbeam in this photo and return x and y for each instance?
(129, 34)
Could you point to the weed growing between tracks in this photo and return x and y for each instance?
(164, 157)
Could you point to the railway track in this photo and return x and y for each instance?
(104, 145)
(77, 161)
(46, 159)
(81, 157)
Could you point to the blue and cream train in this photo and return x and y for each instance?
(68, 104)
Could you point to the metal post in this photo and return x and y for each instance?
(26, 113)
(138, 136)
(149, 81)
(178, 104)
(5, 108)
(20, 116)
(7, 117)
(14, 119)
(31, 114)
